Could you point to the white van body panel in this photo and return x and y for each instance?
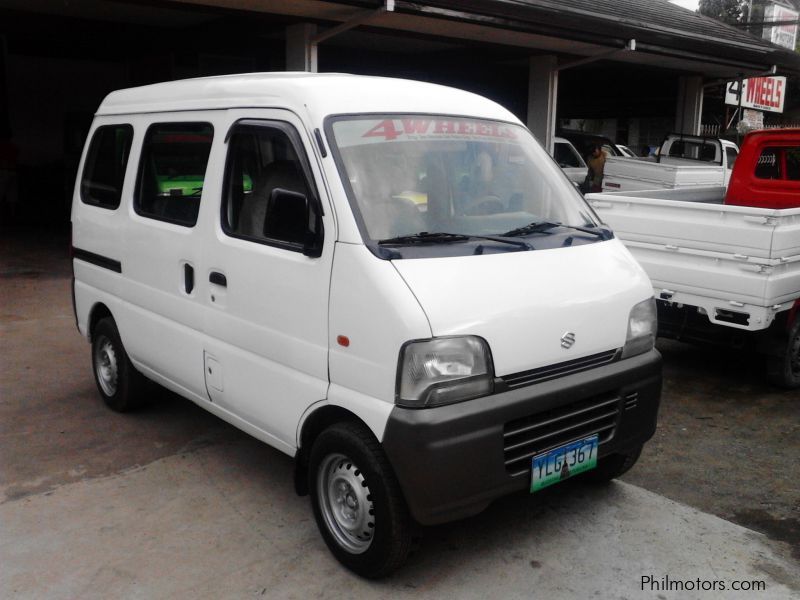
(93, 287)
(316, 95)
(588, 291)
(267, 330)
(376, 310)
(153, 255)
(101, 232)
(373, 412)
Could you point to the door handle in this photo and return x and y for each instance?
(188, 278)
(218, 278)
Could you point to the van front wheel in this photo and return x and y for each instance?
(357, 502)
(119, 383)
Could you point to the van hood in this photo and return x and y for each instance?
(522, 303)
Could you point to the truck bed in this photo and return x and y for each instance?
(628, 174)
(741, 265)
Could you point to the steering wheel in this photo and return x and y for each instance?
(488, 205)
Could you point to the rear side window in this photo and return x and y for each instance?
(104, 171)
(172, 171)
(705, 151)
(793, 163)
(731, 155)
(779, 162)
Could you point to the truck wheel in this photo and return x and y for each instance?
(357, 502)
(612, 466)
(118, 381)
(784, 370)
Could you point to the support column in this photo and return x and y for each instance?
(689, 111)
(301, 53)
(542, 98)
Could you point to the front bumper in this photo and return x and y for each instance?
(451, 461)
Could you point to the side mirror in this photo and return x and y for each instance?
(290, 217)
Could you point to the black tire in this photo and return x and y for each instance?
(784, 370)
(347, 453)
(612, 466)
(121, 386)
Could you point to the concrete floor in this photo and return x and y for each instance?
(172, 502)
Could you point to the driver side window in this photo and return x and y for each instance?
(267, 194)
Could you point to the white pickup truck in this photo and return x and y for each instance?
(721, 273)
(683, 161)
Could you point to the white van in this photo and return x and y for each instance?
(390, 281)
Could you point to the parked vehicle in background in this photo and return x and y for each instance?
(768, 174)
(682, 161)
(725, 265)
(398, 288)
(625, 151)
(584, 142)
(570, 160)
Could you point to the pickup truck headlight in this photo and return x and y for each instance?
(642, 326)
(443, 371)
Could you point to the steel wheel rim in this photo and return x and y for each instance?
(106, 366)
(346, 503)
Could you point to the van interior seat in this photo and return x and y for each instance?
(253, 222)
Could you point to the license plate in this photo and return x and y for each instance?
(563, 462)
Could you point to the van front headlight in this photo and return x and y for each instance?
(443, 371)
(642, 327)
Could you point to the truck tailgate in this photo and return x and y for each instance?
(642, 174)
(722, 258)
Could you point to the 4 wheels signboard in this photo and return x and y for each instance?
(759, 93)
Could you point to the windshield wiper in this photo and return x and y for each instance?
(543, 226)
(424, 237)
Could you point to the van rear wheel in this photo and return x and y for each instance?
(357, 502)
(120, 385)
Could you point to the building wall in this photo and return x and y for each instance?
(50, 106)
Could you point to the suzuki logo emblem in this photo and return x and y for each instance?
(567, 340)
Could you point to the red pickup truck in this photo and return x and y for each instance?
(767, 171)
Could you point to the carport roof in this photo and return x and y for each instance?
(667, 36)
(658, 26)
(647, 17)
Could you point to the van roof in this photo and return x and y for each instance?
(317, 94)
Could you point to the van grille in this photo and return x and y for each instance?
(561, 369)
(527, 436)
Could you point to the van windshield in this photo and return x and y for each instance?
(460, 177)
